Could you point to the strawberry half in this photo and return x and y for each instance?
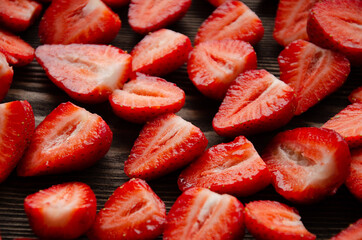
(307, 164)
(116, 3)
(291, 20)
(87, 73)
(18, 15)
(78, 21)
(255, 102)
(231, 20)
(274, 220)
(69, 138)
(214, 65)
(17, 52)
(64, 211)
(202, 214)
(160, 52)
(17, 127)
(133, 212)
(164, 145)
(352, 232)
(348, 123)
(216, 3)
(354, 179)
(356, 95)
(234, 168)
(146, 97)
(312, 72)
(149, 16)
(6, 76)
(336, 24)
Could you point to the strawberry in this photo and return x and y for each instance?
(78, 21)
(336, 24)
(6, 76)
(160, 52)
(17, 52)
(307, 164)
(214, 65)
(275, 220)
(202, 214)
(133, 212)
(17, 127)
(116, 3)
(146, 97)
(69, 138)
(234, 168)
(149, 16)
(165, 144)
(356, 95)
(231, 20)
(216, 3)
(354, 179)
(64, 211)
(348, 123)
(87, 73)
(291, 20)
(18, 15)
(312, 72)
(352, 232)
(255, 102)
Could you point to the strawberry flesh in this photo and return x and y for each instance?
(6, 76)
(356, 95)
(354, 179)
(352, 232)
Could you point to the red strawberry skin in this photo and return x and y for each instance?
(17, 124)
(216, 3)
(354, 179)
(70, 138)
(274, 220)
(352, 232)
(348, 123)
(214, 65)
(312, 72)
(231, 20)
(149, 16)
(335, 24)
(78, 21)
(165, 144)
(116, 3)
(202, 214)
(133, 212)
(64, 211)
(255, 102)
(146, 97)
(356, 95)
(307, 164)
(234, 168)
(88, 73)
(6, 76)
(160, 52)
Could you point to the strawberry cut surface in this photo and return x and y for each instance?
(164, 145)
(354, 179)
(356, 95)
(69, 138)
(86, 72)
(352, 232)
(312, 72)
(6, 76)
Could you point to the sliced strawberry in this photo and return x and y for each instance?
(17, 127)
(307, 164)
(348, 123)
(353, 232)
(69, 138)
(164, 145)
(216, 3)
(87, 73)
(160, 52)
(336, 24)
(17, 52)
(133, 212)
(18, 15)
(312, 72)
(234, 168)
(291, 20)
(214, 65)
(231, 20)
(116, 3)
(274, 220)
(6, 76)
(64, 211)
(202, 214)
(354, 179)
(146, 97)
(356, 95)
(78, 21)
(255, 102)
(149, 16)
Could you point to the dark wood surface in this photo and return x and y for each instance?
(325, 219)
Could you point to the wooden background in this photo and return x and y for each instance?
(30, 83)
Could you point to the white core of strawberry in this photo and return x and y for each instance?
(4, 66)
(91, 6)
